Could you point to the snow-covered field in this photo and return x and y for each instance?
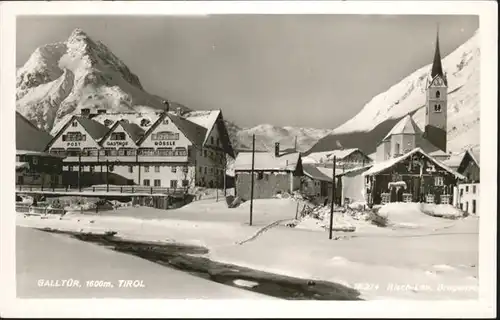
(42, 257)
(434, 259)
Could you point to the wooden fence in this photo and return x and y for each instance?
(101, 189)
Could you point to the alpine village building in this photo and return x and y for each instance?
(167, 149)
(34, 167)
(410, 162)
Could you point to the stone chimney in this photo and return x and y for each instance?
(167, 105)
(277, 149)
(85, 112)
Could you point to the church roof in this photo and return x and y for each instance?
(437, 67)
(405, 126)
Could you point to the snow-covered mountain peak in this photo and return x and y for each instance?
(62, 78)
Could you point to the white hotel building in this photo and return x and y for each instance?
(162, 149)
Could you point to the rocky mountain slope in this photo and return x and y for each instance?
(378, 116)
(62, 78)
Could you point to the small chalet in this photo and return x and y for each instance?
(412, 177)
(468, 190)
(274, 173)
(316, 183)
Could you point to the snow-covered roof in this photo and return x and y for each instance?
(325, 156)
(267, 161)
(355, 169)
(93, 128)
(314, 173)
(36, 153)
(342, 153)
(131, 117)
(316, 157)
(381, 166)
(329, 171)
(28, 136)
(475, 154)
(454, 160)
(22, 165)
(204, 118)
(405, 126)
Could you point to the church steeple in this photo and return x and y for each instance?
(437, 68)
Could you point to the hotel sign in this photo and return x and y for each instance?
(73, 144)
(116, 143)
(164, 143)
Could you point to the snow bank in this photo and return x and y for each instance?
(442, 210)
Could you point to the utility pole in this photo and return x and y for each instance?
(333, 198)
(225, 169)
(79, 170)
(107, 175)
(253, 167)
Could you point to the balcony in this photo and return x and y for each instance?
(163, 158)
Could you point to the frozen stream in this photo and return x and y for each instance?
(189, 259)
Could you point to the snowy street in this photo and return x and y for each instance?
(432, 259)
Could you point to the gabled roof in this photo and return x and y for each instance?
(205, 119)
(405, 126)
(342, 153)
(96, 130)
(355, 169)
(314, 173)
(325, 156)
(267, 161)
(28, 136)
(192, 131)
(135, 132)
(468, 154)
(381, 166)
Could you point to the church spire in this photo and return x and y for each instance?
(437, 68)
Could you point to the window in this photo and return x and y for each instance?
(157, 183)
(90, 152)
(147, 152)
(461, 192)
(466, 189)
(173, 184)
(18, 158)
(474, 189)
(180, 152)
(185, 169)
(146, 182)
(157, 168)
(111, 168)
(70, 168)
(35, 160)
(211, 140)
(438, 94)
(396, 149)
(164, 152)
(437, 108)
(117, 136)
(205, 153)
(92, 169)
(473, 206)
(205, 170)
(201, 169)
(218, 141)
(74, 136)
(146, 168)
(174, 169)
(130, 169)
(260, 175)
(165, 135)
(185, 183)
(74, 124)
(438, 181)
(165, 121)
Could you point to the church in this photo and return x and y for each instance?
(406, 134)
(409, 163)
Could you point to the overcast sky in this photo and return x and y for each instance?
(296, 70)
